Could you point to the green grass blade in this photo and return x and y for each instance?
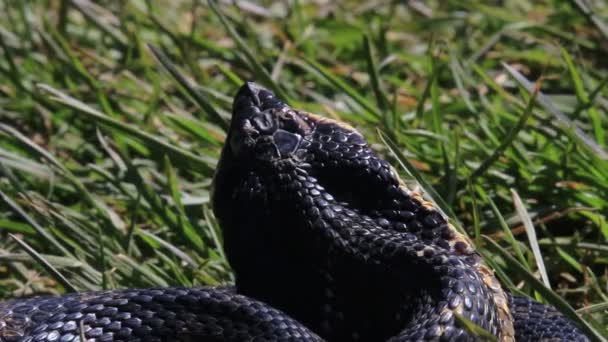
(205, 163)
(590, 14)
(257, 67)
(175, 250)
(372, 70)
(190, 234)
(549, 295)
(196, 95)
(561, 118)
(531, 233)
(45, 264)
(409, 168)
(508, 141)
(43, 232)
(474, 330)
(346, 89)
(510, 238)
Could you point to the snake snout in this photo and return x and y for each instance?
(264, 125)
(253, 98)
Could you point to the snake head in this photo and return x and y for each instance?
(264, 128)
(268, 136)
(272, 150)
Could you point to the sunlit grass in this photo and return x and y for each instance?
(113, 114)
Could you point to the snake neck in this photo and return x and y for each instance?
(339, 227)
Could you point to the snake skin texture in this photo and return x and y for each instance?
(155, 314)
(535, 321)
(327, 243)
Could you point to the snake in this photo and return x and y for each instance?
(326, 242)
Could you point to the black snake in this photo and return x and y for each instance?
(326, 243)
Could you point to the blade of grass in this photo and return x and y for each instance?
(520, 208)
(583, 99)
(142, 269)
(206, 163)
(214, 229)
(549, 295)
(477, 332)
(46, 235)
(599, 307)
(86, 8)
(56, 261)
(190, 233)
(196, 95)
(13, 71)
(509, 234)
(257, 67)
(372, 71)
(45, 264)
(476, 224)
(564, 121)
(410, 169)
(458, 73)
(345, 88)
(509, 139)
(592, 17)
(175, 250)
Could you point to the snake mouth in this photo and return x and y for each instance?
(264, 127)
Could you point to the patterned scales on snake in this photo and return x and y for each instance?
(326, 243)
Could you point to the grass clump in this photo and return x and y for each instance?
(112, 116)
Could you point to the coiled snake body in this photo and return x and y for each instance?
(326, 243)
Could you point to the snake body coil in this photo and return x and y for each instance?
(326, 243)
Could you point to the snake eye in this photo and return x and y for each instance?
(286, 142)
(287, 115)
(290, 121)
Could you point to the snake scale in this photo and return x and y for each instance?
(327, 243)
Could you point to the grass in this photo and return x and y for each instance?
(113, 114)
